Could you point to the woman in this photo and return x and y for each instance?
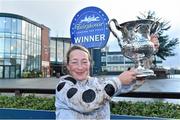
(79, 96)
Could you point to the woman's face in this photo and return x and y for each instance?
(79, 64)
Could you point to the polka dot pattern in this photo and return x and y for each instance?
(110, 90)
(71, 79)
(60, 86)
(88, 96)
(71, 92)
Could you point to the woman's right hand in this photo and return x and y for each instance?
(127, 77)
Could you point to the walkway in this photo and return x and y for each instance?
(29, 83)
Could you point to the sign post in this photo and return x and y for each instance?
(89, 28)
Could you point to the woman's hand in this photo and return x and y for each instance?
(155, 41)
(127, 76)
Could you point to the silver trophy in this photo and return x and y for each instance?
(135, 42)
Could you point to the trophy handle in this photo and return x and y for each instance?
(118, 27)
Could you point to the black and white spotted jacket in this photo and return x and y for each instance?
(87, 99)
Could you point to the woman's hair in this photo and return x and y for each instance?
(77, 47)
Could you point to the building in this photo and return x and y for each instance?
(112, 62)
(24, 47)
(58, 49)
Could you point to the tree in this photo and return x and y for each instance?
(167, 45)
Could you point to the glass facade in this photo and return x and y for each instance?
(58, 49)
(52, 50)
(115, 62)
(20, 47)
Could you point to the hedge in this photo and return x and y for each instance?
(149, 109)
(27, 102)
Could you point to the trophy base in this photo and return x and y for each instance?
(142, 73)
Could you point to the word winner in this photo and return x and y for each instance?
(90, 38)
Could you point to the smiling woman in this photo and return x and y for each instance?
(80, 96)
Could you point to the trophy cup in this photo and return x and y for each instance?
(135, 42)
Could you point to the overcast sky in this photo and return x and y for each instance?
(58, 14)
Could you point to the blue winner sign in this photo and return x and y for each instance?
(89, 28)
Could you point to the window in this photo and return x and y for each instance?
(19, 26)
(60, 51)
(7, 45)
(2, 24)
(52, 50)
(103, 59)
(13, 46)
(7, 25)
(14, 25)
(1, 45)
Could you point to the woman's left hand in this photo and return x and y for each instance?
(155, 41)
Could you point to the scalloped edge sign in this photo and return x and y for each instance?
(89, 28)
